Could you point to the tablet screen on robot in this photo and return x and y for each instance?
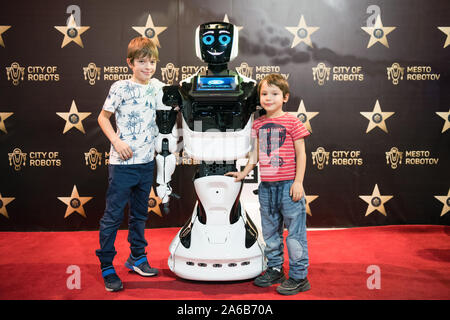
(216, 83)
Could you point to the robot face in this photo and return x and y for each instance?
(216, 42)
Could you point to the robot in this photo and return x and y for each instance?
(219, 242)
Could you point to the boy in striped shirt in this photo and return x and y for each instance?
(280, 149)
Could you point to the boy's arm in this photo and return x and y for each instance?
(252, 161)
(121, 147)
(296, 191)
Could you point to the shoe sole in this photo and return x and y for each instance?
(114, 290)
(287, 292)
(139, 271)
(268, 284)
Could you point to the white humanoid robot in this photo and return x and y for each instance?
(220, 241)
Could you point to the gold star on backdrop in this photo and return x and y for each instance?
(71, 32)
(3, 117)
(309, 199)
(378, 33)
(2, 30)
(225, 19)
(3, 202)
(304, 116)
(446, 117)
(446, 30)
(302, 33)
(75, 203)
(446, 201)
(376, 201)
(153, 203)
(377, 118)
(150, 31)
(73, 118)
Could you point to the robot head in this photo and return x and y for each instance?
(216, 42)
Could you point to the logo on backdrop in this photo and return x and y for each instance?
(170, 73)
(2, 30)
(376, 201)
(445, 199)
(378, 33)
(3, 117)
(4, 201)
(446, 117)
(93, 73)
(19, 159)
(16, 73)
(445, 30)
(302, 33)
(397, 73)
(395, 157)
(260, 71)
(72, 32)
(75, 203)
(73, 118)
(321, 158)
(377, 118)
(322, 73)
(304, 116)
(150, 31)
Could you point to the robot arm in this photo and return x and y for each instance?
(166, 144)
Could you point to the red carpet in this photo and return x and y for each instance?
(414, 263)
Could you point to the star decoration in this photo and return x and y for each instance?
(150, 31)
(377, 118)
(302, 33)
(445, 30)
(71, 32)
(75, 203)
(309, 199)
(446, 201)
(3, 117)
(73, 118)
(378, 33)
(304, 116)
(225, 19)
(376, 201)
(3, 203)
(153, 203)
(443, 115)
(3, 29)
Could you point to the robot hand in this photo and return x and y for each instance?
(171, 96)
(166, 145)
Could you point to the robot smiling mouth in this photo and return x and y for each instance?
(215, 53)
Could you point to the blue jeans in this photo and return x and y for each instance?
(127, 184)
(278, 210)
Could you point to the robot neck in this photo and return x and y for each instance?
(217, 68)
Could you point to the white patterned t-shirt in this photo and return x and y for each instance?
(134, 107)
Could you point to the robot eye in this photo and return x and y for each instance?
(224, 39)
(208, 40)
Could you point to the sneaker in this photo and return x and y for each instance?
(141, 266)
(292, 286)
(270, 277)
(112, 280)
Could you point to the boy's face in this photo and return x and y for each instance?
(271, 98)
(143, 69)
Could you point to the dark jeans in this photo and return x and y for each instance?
(127, 184)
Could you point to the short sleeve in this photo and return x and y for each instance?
(114, 98)
(299, 130)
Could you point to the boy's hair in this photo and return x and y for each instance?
(140, 47)
(275, 79)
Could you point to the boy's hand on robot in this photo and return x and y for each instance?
(238, 175)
